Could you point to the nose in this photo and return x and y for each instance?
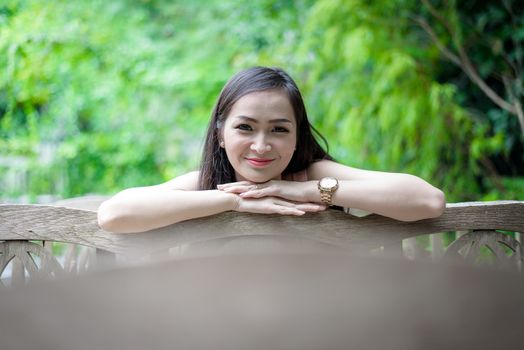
(260, 146)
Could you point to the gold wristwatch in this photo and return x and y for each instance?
(327, 187)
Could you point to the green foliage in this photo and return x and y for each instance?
(124, 88)
(379, 103)
(489, 35)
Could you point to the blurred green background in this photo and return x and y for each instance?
(97, 96)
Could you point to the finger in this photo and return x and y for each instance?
(256, 193)
(236, 189)
(234, 184)
(269, 206)
(290, 211)
(294, 204)
(284, 203)
(278, 206)
(311, 207)
(260, 191)
(303, 206)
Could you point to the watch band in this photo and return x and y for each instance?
(326, 197)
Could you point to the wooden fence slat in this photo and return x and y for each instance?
(36, 222)
(437, 246)
(18, 272)
(104, 258)
(70, 258)
(410, 248)
(394, 249)
(331, 228)
(83, 259)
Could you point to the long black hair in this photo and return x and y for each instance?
(215, 167)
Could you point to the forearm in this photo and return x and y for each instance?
(142, 209)
(402, 197)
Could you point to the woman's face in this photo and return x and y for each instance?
(260, 135)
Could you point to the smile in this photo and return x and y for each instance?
(259, 162)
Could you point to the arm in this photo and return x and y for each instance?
(146, 208)
(399, 196)
(404, 198)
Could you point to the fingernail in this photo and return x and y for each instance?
(220, 186)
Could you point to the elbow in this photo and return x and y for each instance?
(108, 218)
(432, 207)
(105, 217)
(436, 204)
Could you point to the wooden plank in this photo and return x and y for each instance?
(22, 254)
(468, 247)
(437, 246)
(83, 259)
(161, 255)
(17, 272)
(411, 249)
(104, 259)
(394, 249)
(48, 245)
(331, 227)
(70, 258)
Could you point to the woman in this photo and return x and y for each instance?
(260, 156)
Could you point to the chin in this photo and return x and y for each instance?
(259, 178)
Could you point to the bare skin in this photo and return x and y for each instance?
(399, 196)
(259, 138)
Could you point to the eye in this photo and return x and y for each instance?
(244, 127)
(280, 129)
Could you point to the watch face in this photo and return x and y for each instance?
(328, 182)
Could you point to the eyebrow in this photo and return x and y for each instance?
(277, 120)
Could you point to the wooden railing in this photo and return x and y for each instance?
(27, 233)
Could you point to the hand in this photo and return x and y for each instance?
(289, 190)
(273, 205)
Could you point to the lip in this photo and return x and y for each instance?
(260, 162)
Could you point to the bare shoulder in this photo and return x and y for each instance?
(187, 182)
(323, 168)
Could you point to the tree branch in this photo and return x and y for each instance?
(520, 114)
(497, 181)
(470, 70)
(441, 46)
(516, 102)
(516, 42)
(462, 60)
(439, 17)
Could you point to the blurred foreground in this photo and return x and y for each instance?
(271, 301)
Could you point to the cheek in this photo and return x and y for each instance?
(235, 143)
(286, 146)
(235, 139)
